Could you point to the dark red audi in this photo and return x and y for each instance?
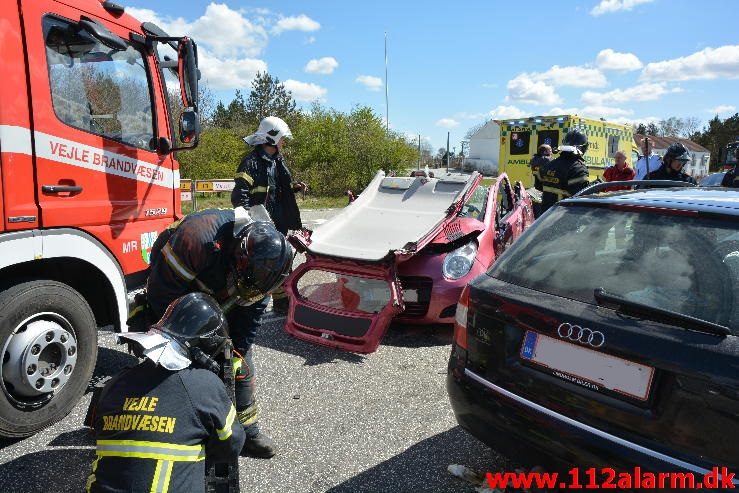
(606, 336)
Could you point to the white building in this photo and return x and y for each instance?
(699, 155)
(484, 150)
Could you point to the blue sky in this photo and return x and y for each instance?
(455, 64)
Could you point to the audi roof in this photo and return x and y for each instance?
(702, 199)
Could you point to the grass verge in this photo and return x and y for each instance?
(218, 200)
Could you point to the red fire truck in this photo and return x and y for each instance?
(87, 179)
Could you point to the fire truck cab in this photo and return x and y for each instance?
(87, 180)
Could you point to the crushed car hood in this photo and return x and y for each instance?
(393, 214)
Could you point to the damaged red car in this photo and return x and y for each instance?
(403, 250)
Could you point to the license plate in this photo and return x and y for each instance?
(586, 367)
(410, 295)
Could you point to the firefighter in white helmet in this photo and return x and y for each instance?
(264, 179)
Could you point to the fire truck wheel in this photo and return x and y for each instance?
(48, 343)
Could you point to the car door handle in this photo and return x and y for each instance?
(61, 188)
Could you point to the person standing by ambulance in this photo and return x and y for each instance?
(621, 171)
(263, 178)
(648, 162)
(156, 423)
(566, 175)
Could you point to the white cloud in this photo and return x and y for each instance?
(298, 23)
(522, 88)
(228, 43)
(325, 65)
(612, 60)
(607, 112)
(310, 40)
(722, 108)
(370, 82)
(305, 91)
(573, 76)
(503, 112)
(641, 92)
(611, 6)
(229, 73)
(224, 31)
(447, 123)
(709, 63)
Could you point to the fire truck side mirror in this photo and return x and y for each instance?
(188, 72)
(189, 126)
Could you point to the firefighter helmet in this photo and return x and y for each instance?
(262, 261)
(676, 151)
(271, 130)
(574, 141)
(192, 326)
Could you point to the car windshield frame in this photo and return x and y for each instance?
(671, 259)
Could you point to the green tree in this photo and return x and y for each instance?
(238, 118)
(268, 97)
(217, 155)
(220, 116)
(716, 134)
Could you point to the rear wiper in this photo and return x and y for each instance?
(658, 314)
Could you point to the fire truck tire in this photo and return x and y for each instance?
(48, 343)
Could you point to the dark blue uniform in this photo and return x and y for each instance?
(195, 254)
(666, 173)
(155, 427)
(262, 179)
(561, 178)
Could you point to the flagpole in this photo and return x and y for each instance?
(387, 106)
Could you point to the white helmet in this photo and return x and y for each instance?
(271, 130)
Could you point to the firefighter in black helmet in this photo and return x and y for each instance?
(239, 257)
(566, 175)
(156, 423)
(673, 162)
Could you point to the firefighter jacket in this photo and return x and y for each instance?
(666, 173)
(193, 254)
(731, 178)
(264, 179)
(562, 178)
(155, 428)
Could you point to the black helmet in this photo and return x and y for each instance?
(262, 260)
(197, 321)
(574, 141)
(676, 151)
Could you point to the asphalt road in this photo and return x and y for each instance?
(343, 422)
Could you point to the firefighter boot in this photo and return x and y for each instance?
(257, 444)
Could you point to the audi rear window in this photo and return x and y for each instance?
(684, 264)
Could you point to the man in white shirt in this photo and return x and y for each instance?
(641, 165)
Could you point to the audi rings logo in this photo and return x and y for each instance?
(583, 335)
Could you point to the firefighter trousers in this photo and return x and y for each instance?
(243, 322)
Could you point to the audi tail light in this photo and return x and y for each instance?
(460, 319)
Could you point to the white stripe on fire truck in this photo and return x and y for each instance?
(18, 140)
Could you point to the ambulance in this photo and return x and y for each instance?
(520, 138)
(88, 178)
